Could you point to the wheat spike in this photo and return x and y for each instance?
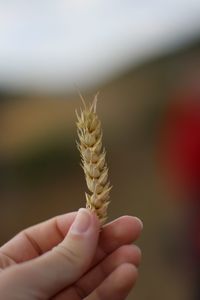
(93, 159)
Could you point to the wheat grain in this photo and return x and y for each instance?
(93, 159)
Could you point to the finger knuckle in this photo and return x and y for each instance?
(69, 255)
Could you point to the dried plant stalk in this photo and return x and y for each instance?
(93, 159)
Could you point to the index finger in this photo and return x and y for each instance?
(38, 239)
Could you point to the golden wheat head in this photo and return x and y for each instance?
(93, 159)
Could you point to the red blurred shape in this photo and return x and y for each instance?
(180, 141)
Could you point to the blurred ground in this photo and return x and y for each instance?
(41, 176)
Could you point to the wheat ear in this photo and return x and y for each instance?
(93, 159)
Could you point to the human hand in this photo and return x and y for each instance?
(67, 257)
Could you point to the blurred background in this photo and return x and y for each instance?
(144, 58)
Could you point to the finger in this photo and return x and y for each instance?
(38, 239)
(62, 266)
(90, 281)
(125, 254)
(122, 231)
(117, 285)
(42, 237)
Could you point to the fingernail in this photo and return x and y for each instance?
(141, 223)
(82, 221)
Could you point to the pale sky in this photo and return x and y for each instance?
(55, 44)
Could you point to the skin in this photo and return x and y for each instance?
(61, 259)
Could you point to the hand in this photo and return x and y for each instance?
(68, 257)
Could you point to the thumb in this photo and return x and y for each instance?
(64, 264)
